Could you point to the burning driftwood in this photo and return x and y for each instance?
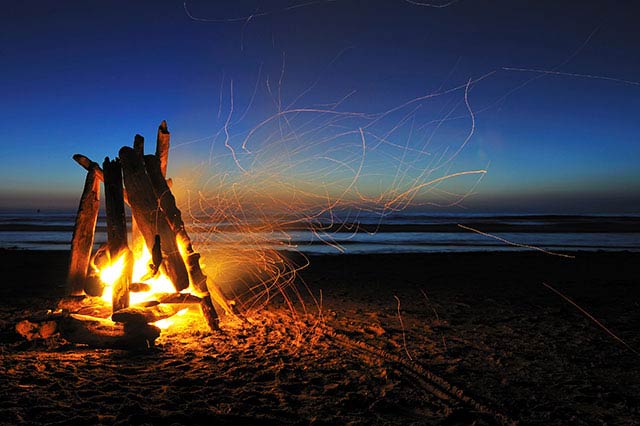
(140, 181)
(117, 231)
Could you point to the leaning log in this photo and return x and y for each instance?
(117, 231)
(168, 205)
(174, 217)
(83, 231)
(209, 313)
(150, 218)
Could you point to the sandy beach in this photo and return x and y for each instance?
(446, 339)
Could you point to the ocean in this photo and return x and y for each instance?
(396, 233)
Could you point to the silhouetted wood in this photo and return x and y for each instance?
(138, 145)
(145, 314)
(150, 218)
(162, 147)
(83, 231)
(117, 231)
(114, 203)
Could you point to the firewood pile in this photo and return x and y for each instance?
(139, 181)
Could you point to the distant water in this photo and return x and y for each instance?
(397, 233)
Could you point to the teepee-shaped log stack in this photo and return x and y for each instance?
(140, 181)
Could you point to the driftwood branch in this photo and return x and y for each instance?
(162, 147)
(117, 231)
(174, 217)
(88, 165)
(83, 231)
(150, 218)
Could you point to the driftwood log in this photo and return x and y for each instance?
(155, 166)
(150, 218)
(84, 230)
(162, 147)
(89, 330)
(117, 231)
(101, 333)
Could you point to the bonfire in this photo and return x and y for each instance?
(124, 292)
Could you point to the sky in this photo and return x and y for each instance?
(550, 92)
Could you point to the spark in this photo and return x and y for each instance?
(511, 243)
(404, 338)
(570, 74)
(592, 318)
(434, 5)
(309, 169)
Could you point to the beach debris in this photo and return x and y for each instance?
(36, 330)
(88, 330)
(85, 226)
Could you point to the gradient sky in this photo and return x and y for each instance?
(85, 76)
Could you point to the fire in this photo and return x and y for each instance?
(160, 283)
(109, 274)
(168, 322)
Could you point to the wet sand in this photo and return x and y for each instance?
(397, 339)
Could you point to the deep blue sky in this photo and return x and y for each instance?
(85, 76)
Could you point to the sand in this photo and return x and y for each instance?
(398, 339)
